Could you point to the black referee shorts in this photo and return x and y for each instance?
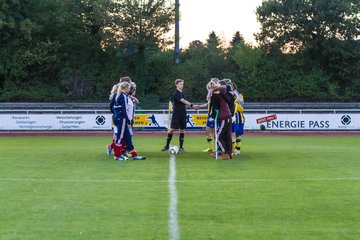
(178, 121)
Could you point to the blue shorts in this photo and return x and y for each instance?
(238, 129)
(210, 124)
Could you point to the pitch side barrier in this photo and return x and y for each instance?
(280, 119)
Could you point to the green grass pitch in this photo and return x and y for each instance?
(280, 187)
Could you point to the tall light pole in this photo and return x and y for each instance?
(177, 45)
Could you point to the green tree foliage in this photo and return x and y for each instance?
(28, 57)
(323, 34)
(292, 25)
(237, 38)
(143, 24)
(82, 32)
(75, 50)
(140, 29)
(243, 65)
(71, 48)
(202, 61)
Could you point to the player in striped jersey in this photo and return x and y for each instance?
(238, 120)
(210, 125)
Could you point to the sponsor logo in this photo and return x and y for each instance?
(302, 124)
(346, 120)
(198, 120)
(100, 120)
(144, 120)
(266, 119)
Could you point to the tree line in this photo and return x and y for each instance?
(75, 50)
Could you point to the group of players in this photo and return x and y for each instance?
(225, 120)
(122, 105)
(225, 117)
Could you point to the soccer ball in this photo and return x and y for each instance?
(173, 150)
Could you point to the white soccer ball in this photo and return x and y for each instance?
(173, 150)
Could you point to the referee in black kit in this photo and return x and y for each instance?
(178, 120)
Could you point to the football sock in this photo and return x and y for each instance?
(238, 142)
(117, 150)
(124, 148)
(181, 139)
(168, 140)
(133, 153)
(233, 145)
(209, 140)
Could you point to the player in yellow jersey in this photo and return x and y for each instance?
(210, 125)
(238, 120)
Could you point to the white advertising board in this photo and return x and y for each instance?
(297, 122)
(55, 122)
(346, 121)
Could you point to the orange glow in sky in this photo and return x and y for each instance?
(199, 17)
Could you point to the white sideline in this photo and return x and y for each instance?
(181, 181)
(174, 233)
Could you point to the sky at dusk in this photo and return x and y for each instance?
(199, 17)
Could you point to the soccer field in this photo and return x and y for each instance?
(280, 187)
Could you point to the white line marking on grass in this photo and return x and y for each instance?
(82, 180)
(181, 181)
(276, 180)
(174, 233)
